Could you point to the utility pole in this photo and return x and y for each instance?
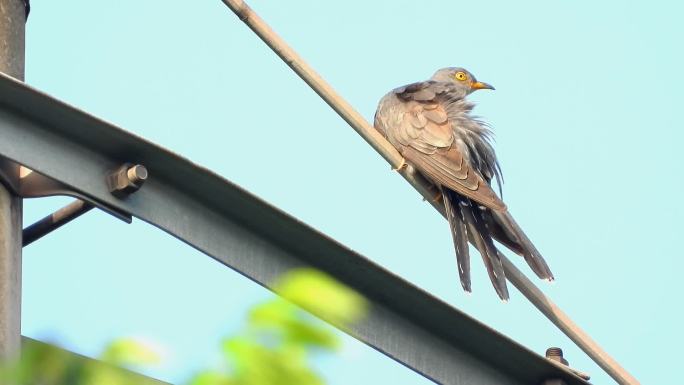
(13, 15)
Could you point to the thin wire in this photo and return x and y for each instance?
(425, 188)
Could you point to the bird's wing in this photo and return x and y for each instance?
(414, 119)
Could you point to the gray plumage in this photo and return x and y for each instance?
(431, 125)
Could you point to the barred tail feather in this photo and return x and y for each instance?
(526, 248)
(467, 222)
(459, 233)
(483, 242)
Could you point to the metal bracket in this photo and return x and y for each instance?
(27, 183)
(126, 180)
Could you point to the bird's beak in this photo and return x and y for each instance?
(481, 86)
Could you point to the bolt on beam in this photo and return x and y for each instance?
(122, 182)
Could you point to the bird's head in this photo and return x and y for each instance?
(461, 78)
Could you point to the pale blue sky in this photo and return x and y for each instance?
(587, 115)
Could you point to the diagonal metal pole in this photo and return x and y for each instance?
(12, 29)
(54, 221)
(385, 149)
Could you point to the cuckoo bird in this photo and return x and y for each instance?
(430, 124)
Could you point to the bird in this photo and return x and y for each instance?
(430, 124)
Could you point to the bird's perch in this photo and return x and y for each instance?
(387, 151)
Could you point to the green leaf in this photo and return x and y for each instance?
(297, 332)
(323, 296)
(272, 313)
(128, 351)
(259, 365)
(212, 378)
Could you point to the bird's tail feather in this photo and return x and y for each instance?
(526, 248)
(483, 242)
(468, 222)
(459, 232)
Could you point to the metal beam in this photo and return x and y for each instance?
(258, 240)
(12, 38)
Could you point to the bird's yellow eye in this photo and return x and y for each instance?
(460, 75)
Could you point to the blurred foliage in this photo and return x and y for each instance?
(279, 337)
(128, 351)
(321, 294)
(274, 347)
(45, 364)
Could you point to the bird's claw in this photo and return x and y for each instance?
(401, 166)
(437, 197)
